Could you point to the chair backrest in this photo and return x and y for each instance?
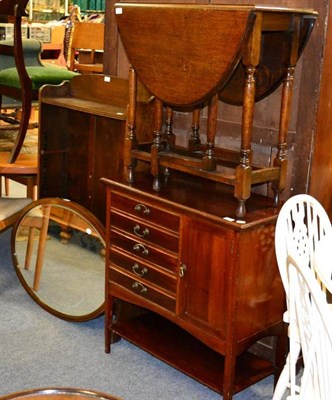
(86, 36)
(302, 226)
(16, 9)
(313, 315)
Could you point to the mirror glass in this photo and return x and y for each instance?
(58, 250)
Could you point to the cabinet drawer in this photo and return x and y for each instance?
(141, 289)
(144, 251)
(146, 212)
(144, 271)
(144, 231)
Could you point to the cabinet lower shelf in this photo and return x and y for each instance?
(178, 348)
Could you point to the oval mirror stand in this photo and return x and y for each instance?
(58, 250)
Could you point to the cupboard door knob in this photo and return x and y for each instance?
(137, 270)
(182, 270)
(137, 285)
(140, 246)
(144, 233)
(142, 208)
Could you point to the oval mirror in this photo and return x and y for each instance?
(58, 250)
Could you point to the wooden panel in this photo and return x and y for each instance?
(205, 282)
(321, 179)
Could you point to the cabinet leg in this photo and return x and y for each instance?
(281, 352)
(229, 376)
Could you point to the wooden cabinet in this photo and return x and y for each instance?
(81, 137)
(188, 282)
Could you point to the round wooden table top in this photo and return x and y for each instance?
(59, 394)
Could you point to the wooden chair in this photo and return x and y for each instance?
(36, 220)
(22, 83)
(10, 208)
(302, 227)
(87, 38)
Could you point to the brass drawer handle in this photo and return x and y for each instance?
(137, 285)
(137, 270)
(142, 208)
(140, 246)
(144, 234)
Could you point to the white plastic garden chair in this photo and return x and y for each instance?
(308, 307)
(304, 230)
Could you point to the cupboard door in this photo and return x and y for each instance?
(207, 258)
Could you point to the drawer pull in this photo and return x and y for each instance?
(144, 234)
(137, 285)
(137, 270)
(140, 246)
(142, 208)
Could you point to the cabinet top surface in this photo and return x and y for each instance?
(204, 198)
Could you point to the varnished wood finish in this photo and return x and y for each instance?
(25, 164)
(86, 35)
(308, 133)
(13, 165)
(178, 261)
(195, 78)
(81, 137)
(320, 178)
(16, 10)
(244, 40)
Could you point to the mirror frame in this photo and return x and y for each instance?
(92, 220)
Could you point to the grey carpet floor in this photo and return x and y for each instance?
(39, 350)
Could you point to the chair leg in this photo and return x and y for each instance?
(6, 186)
(29, 250)
(31, 188)
(26, 112)
(41, 246)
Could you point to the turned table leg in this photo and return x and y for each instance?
(195, 139)
(131, 141)
(209, 161)
(285, 111)
(157, 144)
